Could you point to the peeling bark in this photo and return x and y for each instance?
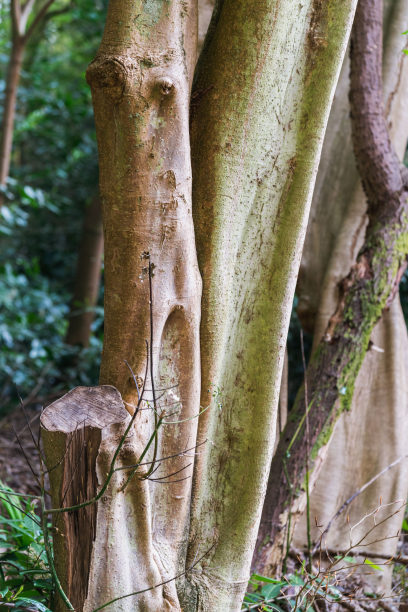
(363, 295)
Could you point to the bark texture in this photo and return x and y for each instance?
(260, 103)
(88, 276)
(260, 135)
(140, 82)
(373, 434)
(363, 295)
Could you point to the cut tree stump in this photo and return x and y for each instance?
(93, 546)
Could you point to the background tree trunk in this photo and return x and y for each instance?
(88, 276)
(7, 127)
(20, 35)
(205, 10)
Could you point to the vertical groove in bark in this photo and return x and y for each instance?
(140, 82)
(260, 140)
(88, 276)
(364, 294)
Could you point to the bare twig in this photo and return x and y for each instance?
(356, 494)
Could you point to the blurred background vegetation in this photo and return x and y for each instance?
(53, 178)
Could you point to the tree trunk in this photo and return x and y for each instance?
(20, 35)
(88, 276)
(258, 118)
(81, 433)
(13, 78)
(140, 83)
(363, 295)
(373, 434)
(256, 147)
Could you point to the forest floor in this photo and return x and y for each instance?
(14, 436)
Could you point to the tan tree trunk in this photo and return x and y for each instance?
(88, 276)
(140, 83)
(259, 113)
(7, 127)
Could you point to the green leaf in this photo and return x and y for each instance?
(22, 602)
(266, 579)
(373, 565)
(271, 591)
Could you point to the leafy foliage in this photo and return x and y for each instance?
(25, 580)
(297, 591)
(33, 323)
(54, 175)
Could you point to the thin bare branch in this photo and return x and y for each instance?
(172, 474)
(26, 458)
(356, 494)
(38, 18)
